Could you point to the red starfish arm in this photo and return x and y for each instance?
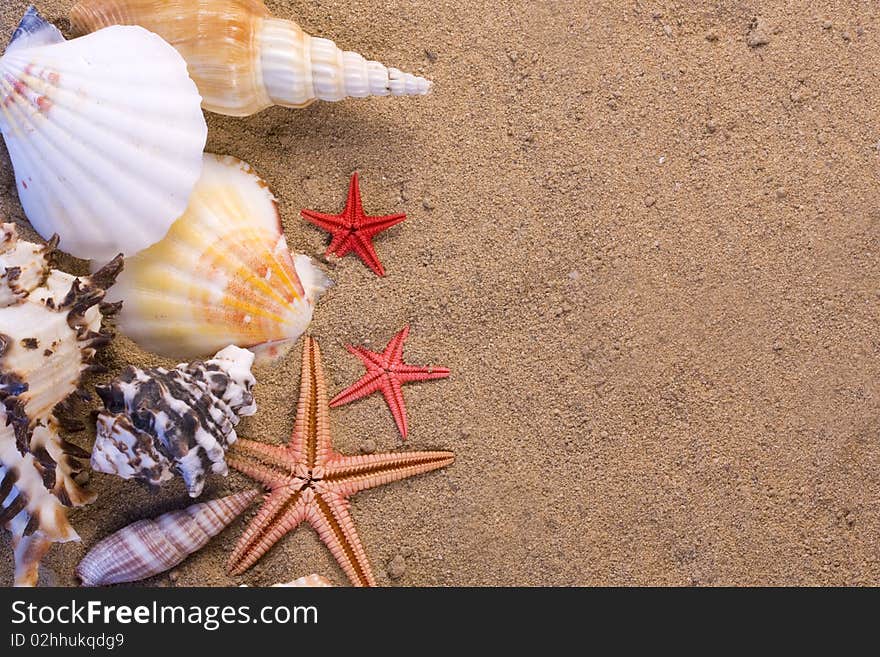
(351, 474)
(394, 351)
(393, 393)
(329, 222)
(370, 359)
(311, 434)
(268, 464)
(410, 373)
(330, 517)
(282, 511)
(363, 387)
(353, 205)
(372, 226)
(340, 245)
(367, 252)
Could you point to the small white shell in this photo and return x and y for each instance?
(149, 547)
(309, 581)
(105, 133)
(158, 422)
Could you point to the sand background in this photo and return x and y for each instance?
(647, 250)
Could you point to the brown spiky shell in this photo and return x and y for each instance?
(50, 330)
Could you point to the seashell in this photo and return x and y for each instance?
(223, 274)
(50, 329)
(309, 581)
(158, 422)
(149, 547)
(105, 134)
(244, 60)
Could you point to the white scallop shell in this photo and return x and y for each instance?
(309, 581)
(105, 133)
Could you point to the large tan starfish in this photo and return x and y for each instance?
(308, 481)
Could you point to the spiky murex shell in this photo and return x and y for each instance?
(159, 422)
(50, 330)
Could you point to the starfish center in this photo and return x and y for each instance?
(309, 479)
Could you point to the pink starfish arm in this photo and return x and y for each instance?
(370, 359)
(311, 433)
(352, 474)
(267, 464)
(411, 373)
(329, 515)
(282, 511)
(393, 393)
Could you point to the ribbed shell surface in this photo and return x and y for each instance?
(149, 547)
(223, 275)
(106, 135)
(244, 60)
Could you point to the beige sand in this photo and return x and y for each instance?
(648, 252)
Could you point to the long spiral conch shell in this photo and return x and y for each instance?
(157, 423)
(105, 134)
(50, 330)
(244, 60)
(223, 275)
(150, 547)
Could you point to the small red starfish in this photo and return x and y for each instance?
(353, 230)
(386, 372)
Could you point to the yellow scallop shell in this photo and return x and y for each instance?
(223, 275)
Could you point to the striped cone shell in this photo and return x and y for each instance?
(149, 547)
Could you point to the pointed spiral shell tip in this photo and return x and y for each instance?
(407, 84)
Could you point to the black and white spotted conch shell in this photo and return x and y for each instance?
(158, 422)
(50, 329)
